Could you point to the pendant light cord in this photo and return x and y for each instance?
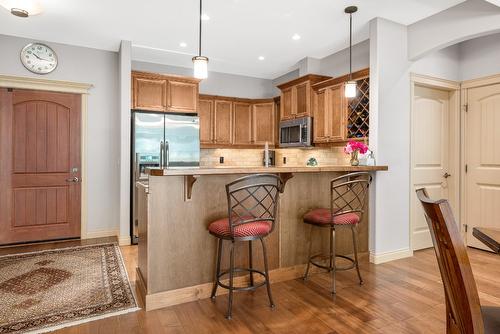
(350, 46)
(199, 45)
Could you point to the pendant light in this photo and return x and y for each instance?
(350, 86)
(200, 63)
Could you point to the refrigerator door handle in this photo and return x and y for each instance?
(166, 153)
(137, 167)
(162, 148)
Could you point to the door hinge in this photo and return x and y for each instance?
(466, 228)
(466, 168)
(466, 107)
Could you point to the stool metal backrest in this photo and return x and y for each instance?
(348, 193)
(463, 309)
(253, 198)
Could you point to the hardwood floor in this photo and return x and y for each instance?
(404, 296)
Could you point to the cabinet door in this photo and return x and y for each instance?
(150, 94)
(182, 96)
(205, 112)
(336, 113)
(320, 133)
(287, 106)
(223, 122)
(242, 125)
(303, 99)
(263, 123)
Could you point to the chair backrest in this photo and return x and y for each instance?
(348, 193)
(463, 309)
(253, 198)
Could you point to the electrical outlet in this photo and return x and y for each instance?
(221, 160)
(284, 160)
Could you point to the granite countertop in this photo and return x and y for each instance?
(155, 171)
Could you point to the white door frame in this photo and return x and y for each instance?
(14, 82)
(455, 134)
(467, 84)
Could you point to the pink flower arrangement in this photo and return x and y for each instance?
(353, 146)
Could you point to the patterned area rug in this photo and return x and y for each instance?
(43, 291)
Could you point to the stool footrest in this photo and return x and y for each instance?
(323, 257)
(242, 288)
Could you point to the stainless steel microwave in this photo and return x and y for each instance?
(296, 132)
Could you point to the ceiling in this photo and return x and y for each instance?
(238, 32)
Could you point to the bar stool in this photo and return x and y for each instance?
(252, 203)
(347, 202)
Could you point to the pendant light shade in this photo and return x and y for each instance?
(350, 89)
(351, 85)
(200, 63)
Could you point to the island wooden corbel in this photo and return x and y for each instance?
(189, 181)
(284, 178)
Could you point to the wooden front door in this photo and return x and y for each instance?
(40, 166)
(482, 156)
(430, 155)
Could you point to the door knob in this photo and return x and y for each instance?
(73, 179)
(446, 175)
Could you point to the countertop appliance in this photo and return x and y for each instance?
(161, 140)
(296, 132)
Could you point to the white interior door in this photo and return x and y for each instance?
(482, 156)
(430, 155)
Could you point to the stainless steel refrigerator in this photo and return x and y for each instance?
(161, 140)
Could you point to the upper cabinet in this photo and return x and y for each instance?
(156, 92)
(149, 94)
(264, 125)
(182, 96)
(296, 96)
(336, 118)
(236, 122)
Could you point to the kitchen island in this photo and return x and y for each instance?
(176, 261)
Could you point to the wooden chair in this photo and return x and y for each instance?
(464, 314)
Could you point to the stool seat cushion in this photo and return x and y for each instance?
(220, 228)
(323, 216)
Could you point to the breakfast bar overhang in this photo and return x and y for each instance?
(176, 253)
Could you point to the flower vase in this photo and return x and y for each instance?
(354, 158)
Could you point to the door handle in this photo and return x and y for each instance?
(446, 175)
(73, 179)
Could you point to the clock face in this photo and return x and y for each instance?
(39, 58)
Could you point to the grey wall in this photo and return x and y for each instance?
(218, 83)
(99, 68)
(470, 19)
(444, 64)
(480, 57)
(337, 64)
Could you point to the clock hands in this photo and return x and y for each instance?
(40, 57)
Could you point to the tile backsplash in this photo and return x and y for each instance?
(254, 157)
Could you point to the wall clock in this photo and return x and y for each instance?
(39, 58)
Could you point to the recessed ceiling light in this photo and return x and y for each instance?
(296, 37)
(183, 44)
(261, 58)
(22, 8)
(205, 17)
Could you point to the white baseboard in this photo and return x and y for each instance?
(101, 234)
(390, 256)
(124, 240)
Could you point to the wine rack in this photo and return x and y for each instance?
(358, 111)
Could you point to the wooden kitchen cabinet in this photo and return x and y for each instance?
(182, 96)
(149, 94)
(338, 119)
(223, 122)
(206, 114)
(264, 125)
(242, 123)
(158, 92)
(296, 96)
(227, 122)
